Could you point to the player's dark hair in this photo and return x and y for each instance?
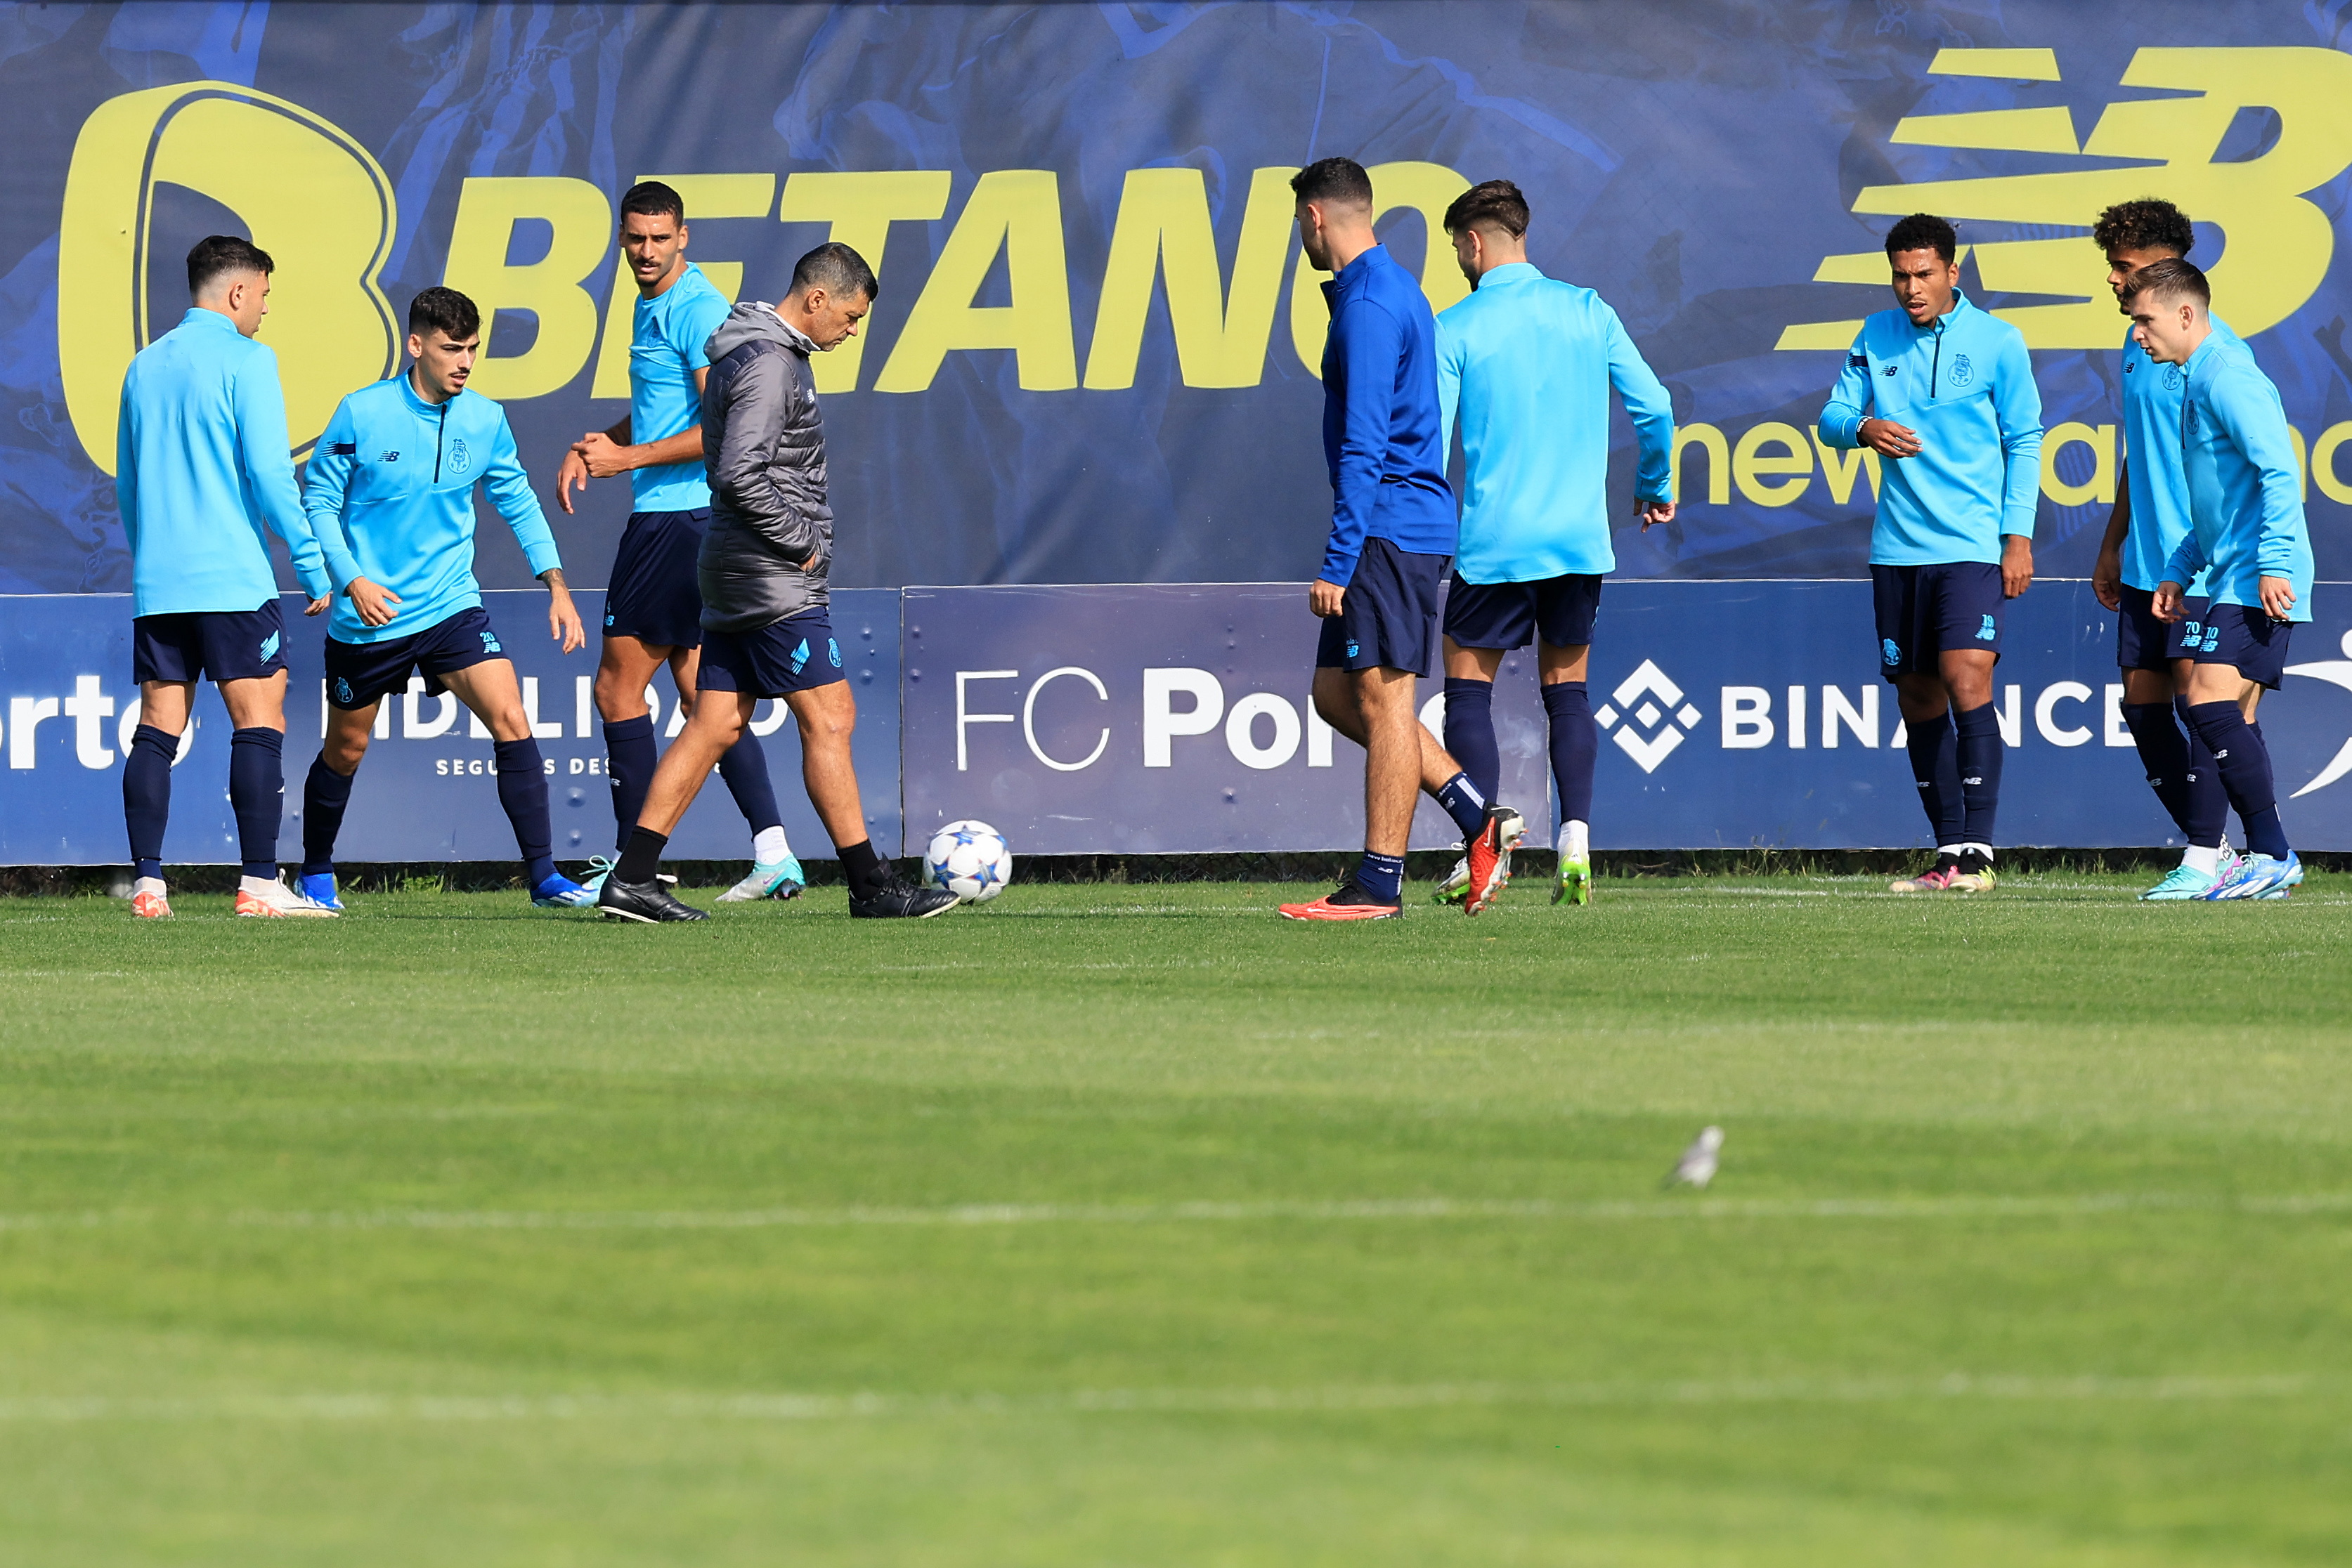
(838, 269)
(1497, 203)
(439, 309)
(652, 199)
(1922, 231)
(2173, 278)
(2144, 224)
(1333, 181)
(224, 256)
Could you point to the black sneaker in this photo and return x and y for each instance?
(646, 902)
(897, 899)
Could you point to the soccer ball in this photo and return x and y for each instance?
(971, 859)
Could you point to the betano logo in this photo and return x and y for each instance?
(311, 195)
(2280, 243)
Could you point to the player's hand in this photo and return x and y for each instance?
(1887, 438)
(2277, 596)
(318, 606)
(1653, 513)
(564, 620)
(574, 471)
(2107, 579)
(374, 604)
(2167, 606)
(1326, 598)
(601, 455)
(2016, 565)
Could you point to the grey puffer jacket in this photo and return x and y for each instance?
(769, 543)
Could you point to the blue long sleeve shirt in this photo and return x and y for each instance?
(667, 338)
(1526, 364)
(2152, 471)
(1964, 385)
(201, 467)
(390, 495)
(2245, 488)
(1381, 424)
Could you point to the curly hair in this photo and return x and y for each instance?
(1922, 231)
(2144, 224)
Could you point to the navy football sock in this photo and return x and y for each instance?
(1383, 876)
(147, 796)
(326, 795)
(522, 791)
(1978, 755)
(630, 758)
(2208, 803)
(1575, 745)
(2164, 753)
(1936, 765)
(641, 858)
(744, 769)
(2246, 768)
(1464, 803)
(257, 794)
(1470, 732)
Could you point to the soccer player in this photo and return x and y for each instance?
(390, 497)
(653, 613)
(1945, 393)
(762, 570)
(201, 469)
(2149, 520)
(2247, 537)
(1393, 529)
(1526, 364)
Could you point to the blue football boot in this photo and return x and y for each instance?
(320, 889)
(560, 891)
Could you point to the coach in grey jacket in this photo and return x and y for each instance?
(767, 632)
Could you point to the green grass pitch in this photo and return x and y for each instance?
(1132, 1226)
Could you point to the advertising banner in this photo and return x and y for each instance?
(1095, 352)
(426, 791)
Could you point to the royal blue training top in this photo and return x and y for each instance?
(1381, 424)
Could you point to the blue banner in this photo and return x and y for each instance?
(426, 791)
(1094, 355)
(1175, 718)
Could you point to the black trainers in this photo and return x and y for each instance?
(897, 899)
(646, 902)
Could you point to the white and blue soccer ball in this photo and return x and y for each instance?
(969, 859)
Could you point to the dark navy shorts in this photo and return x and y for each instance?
(1388, 618)
(360, 674)
(2243, 636)
(655, 596)
(798, 653)
(225, 645)
(1925, 611)
(1558, 610)
(2144, 642)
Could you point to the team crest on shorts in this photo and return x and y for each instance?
(833, 649)
(1893, 654)
(342, 691)
(1963, 372)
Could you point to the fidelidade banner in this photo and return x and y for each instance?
(1175, 718)
(1094, 355)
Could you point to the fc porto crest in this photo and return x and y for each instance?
(457, 459)
(2172, 378)
(1963, 372)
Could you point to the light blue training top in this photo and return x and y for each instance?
(201, 467)
(1526, 364)
(390, 495)
(2245, 488)
(666, 339)
(2159, 489)
(1964, 385)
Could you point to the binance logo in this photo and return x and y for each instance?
(2279, 244)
